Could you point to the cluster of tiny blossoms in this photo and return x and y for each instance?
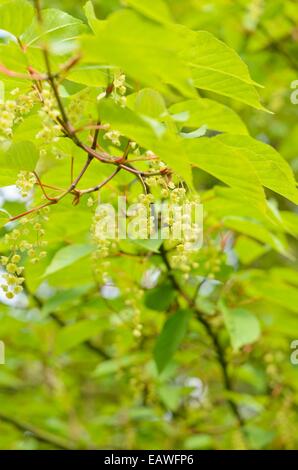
(48, 114)
(25, 182)
(119, 89)
(113, 136)
(12, 110)
(7, 117)
(28, 239)
(77, 107)
(133, 299)
(184, 227)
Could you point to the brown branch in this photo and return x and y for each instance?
(100, 185)
(42, 188)
(39, 434)
(32, 75)
(30, 211)
(212, 335)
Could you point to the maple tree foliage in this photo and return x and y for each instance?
(148, 342)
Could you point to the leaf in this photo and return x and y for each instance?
(19, 156)
(149, 134)
(170, 395)
(217, 68)
(67, 256)
(58, 27)
(273, 291)
(72, 335)
(170, 338)
(256, 230)
(114, 365)
(194, 134)
(90, 15)
(214, 115)
(248, 250)
(199, 442)
(149, 102)
(143, 49)
(158, 12)
(152, 245)
(242, 325)
(4, 217)
(229, 158)
(228, 165)
(2, 93)
(160, 298)
(90, 75)
(63, 297)
(15, 16)
(131, 124)
(272, 170)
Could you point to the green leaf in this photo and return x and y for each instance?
(114, 365)
(160, 298)
(90, 75)
(149, 102)
(4, 217)
(90, 15)
(194, 134)
(217, 68)
(130, 124)
(62, 298)
(242, 325)
(272, 170)
(67, 256)
(149, 134)
(170, 338)
(279, 292)
(2, 91)
(248, 250)
(256, 230)
(149, 245)
(19, 156)
(228, 165)
(207, 112)
(72, 335)
(158, 12)
(15, 16)
(146, 51)
(229, 158)
(58, 27)
(199, 441)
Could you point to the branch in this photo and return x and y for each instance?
(100, 185)
(33, 75)
(212, 335)
(92, 347)
(39, 434)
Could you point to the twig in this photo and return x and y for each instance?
(42, 188)
(60, 322)
(39, 434)
(212, 335)
(30, 211)
(100, 185)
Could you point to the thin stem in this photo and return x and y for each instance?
(212, 335)
(39, 434)
(42, 188)
(35, 209)
(32, 75)
(100, 185)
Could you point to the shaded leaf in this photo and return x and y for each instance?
(170, 338)
(66, 256)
